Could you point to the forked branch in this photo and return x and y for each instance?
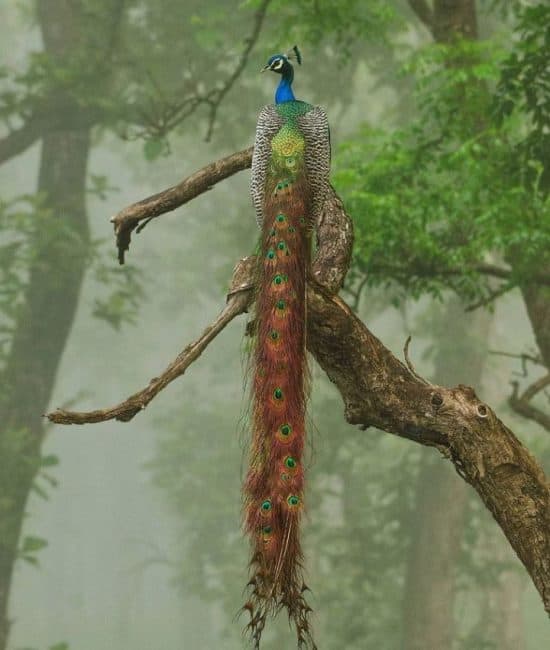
(523, 405)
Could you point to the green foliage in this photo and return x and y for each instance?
(30, 546)
(338, 22)
(524, 86)
(439, 201)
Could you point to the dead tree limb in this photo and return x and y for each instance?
(237, 303)
(127, 220)
(377, 389)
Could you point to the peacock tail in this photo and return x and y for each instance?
(288, 188)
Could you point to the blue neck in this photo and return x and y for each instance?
(284, 90)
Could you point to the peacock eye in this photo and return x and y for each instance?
(290, 462)
(277, 65)
(286, 430)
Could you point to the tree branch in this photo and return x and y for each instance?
(249, 44)
(423, 270)
(20, 139)
(335, 242)
(127, 220)
(522, 403)
(163, 116)
(237, 303)
(378, 390)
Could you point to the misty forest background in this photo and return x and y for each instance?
(127, 536)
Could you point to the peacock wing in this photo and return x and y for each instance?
(269, 122)
(314, 126)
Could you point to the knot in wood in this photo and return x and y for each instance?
(482, 411)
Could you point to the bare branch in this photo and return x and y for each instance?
(427, 271)
(249, 44)
(21, 139)
(504, 288)
(164, 115)
(335, 240)
(378, 390)
(524, 357)
(238, 301)
(127, 220)
(522, 403)
(408, 361)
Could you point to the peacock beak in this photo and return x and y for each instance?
(266, 67)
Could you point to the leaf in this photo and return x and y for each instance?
(32, 544)
(49, 461)
(153, 148)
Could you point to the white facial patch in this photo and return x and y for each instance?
(277, 65)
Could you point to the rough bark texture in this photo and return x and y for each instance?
(379, 390)
(441, 497)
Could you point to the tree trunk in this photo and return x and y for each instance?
(60, 243)
(42, 331)
(441, 496)
(505, 613)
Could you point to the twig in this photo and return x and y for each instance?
(424, 271)
(409, 363)
(163, 116)
(522, 403)
(250, 42)
(491, 297)
(536, 359)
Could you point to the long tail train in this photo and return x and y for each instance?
(275, 482)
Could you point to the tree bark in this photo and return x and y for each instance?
(380, 391)
(42, 330)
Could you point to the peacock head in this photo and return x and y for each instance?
(280, 63)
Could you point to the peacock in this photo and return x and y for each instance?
(289, 183)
